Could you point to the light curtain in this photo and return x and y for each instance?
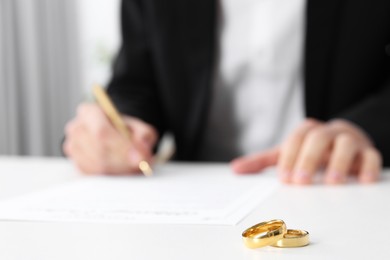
(39, 74)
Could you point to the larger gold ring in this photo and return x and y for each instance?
(264, 233)
(293, 238)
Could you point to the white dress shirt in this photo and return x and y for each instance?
(258, 92)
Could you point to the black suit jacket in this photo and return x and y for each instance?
(164, 71)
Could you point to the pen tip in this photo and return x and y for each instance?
(145, 168)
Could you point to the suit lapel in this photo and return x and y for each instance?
(322, 29)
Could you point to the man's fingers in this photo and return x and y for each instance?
(371, 165)
(138, 148)
(255, 163)
(138, 153)
(142, 133)
(94, 144)
(290, 149)
(339, 146)
(311, 154)
(95, 149)
(96, 121)
(83, 161)
(144, 137)
(344, 153)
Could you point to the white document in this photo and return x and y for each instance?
(176, 194)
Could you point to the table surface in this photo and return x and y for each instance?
(345, 222)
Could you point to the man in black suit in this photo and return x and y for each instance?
(163, 82)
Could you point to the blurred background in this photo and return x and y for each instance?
(51, 52)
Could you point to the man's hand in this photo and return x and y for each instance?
(338, 146)
(97, 147)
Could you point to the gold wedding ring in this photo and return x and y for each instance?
(264, 234)
(293, 238)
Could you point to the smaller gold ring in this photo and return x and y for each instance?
(293, 238)
(264, 234)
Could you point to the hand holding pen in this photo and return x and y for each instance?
(100, 143)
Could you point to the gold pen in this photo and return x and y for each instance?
(112, 113)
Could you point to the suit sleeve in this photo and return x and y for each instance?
(133, 87)
(373, 116)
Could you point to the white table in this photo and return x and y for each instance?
(345, 222)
